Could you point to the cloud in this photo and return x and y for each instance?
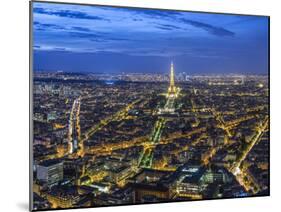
(137, 19)
(151, 13)
(98, 40)
(175, 16)
(157, 13)
(164, 28)
(98, 37)
(43, 27)
(82, 29)
(85, 35)
(120, 39)
(218, 31)
(167, 27)
(68, 14)
(59, 49)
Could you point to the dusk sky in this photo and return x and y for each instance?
(79, 38)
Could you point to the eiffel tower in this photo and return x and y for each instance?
(172, 88)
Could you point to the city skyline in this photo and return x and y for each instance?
(79, 38)
(99, 144)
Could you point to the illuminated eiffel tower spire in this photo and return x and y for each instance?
(172, 88)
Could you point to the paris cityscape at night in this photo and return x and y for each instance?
(163, 122)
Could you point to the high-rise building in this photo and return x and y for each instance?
(50, 171)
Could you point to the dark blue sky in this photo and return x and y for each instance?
(80, 38)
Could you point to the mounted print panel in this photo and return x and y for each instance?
(134, 106)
